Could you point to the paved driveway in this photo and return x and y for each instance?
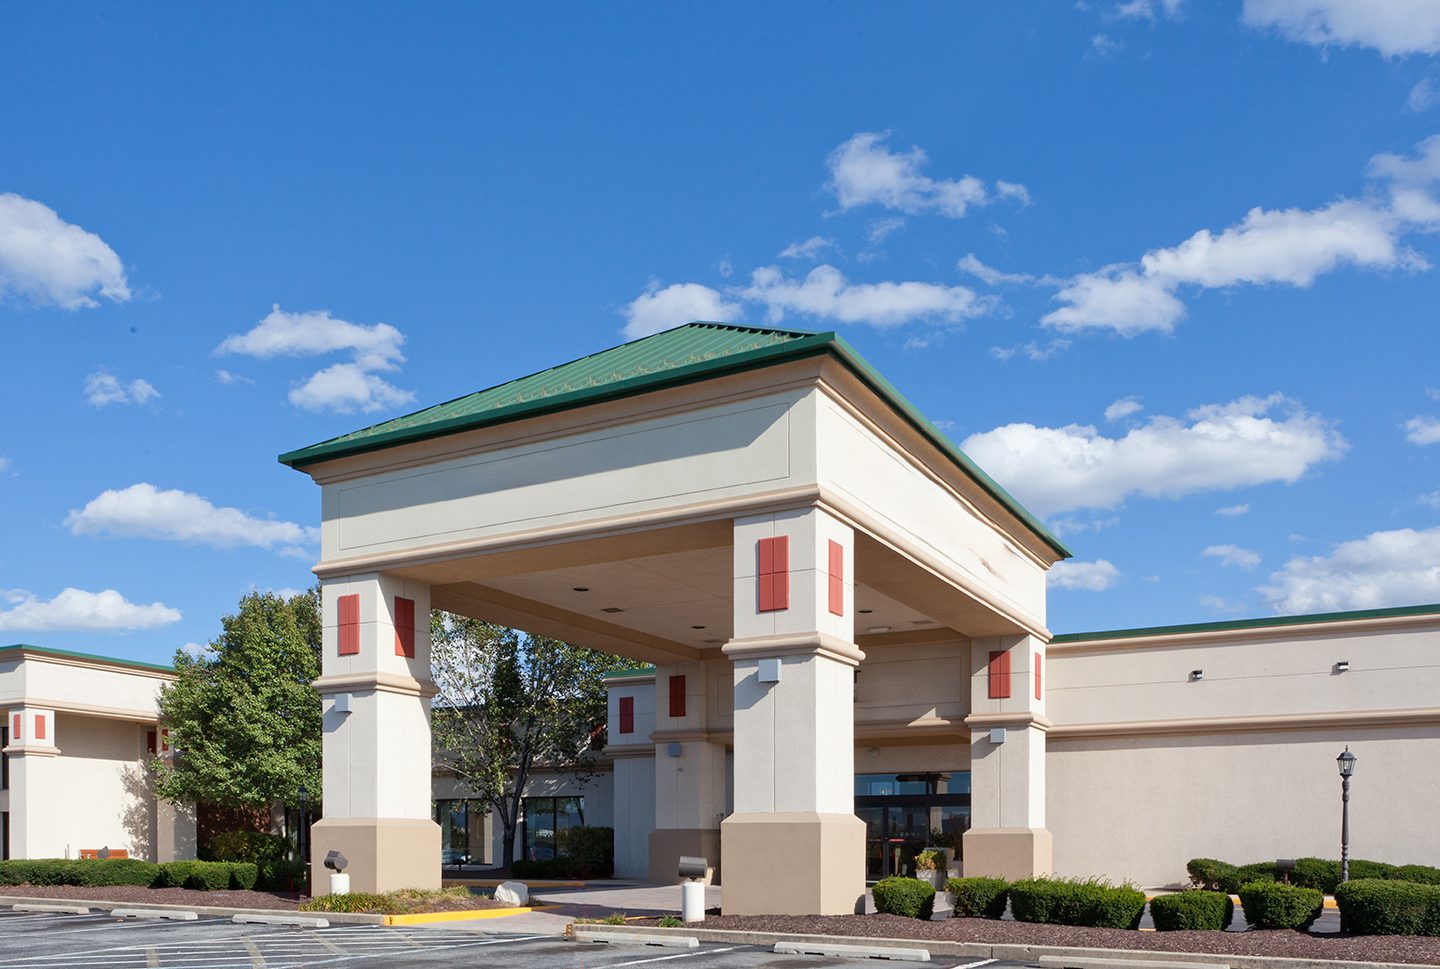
(102, 942)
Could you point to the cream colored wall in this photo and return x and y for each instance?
(56, 683)
(913, 682)
(1139, 808)
(634, 814)
(98, 793)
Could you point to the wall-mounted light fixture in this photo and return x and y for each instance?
(1196, 676)
(997, 735)
(1343, 666)
(673, 750)
(342, 703)
(769, 671)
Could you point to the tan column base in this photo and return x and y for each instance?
(385, 854)
(793, 863)
(668, 844)
(1008, 853)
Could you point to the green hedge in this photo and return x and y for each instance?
(1090, 903)
(246, 846)
(590, 849)
(1418, 874)
(1319, 873)
(1270, 905)
(283, 876)
(98, 872)
(979, 897)
(1371, 906)
(904, 896)
(1191, 910)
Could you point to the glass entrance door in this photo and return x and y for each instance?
(904, 813)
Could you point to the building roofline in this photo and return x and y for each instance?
(625, 674)
(28, 648)
(1240, 625)
(803, 345)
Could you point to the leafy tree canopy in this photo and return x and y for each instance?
(242, 715)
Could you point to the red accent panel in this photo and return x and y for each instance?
(772, 580)
(1038, 658)
(627, 714)
(39, 726)
(404, 627)
(15, 734)
(677, 696)
(837, 579)
(349, 624)
(999, 674)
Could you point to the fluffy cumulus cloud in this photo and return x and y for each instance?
(1096, 576)
(1423, 430)
(1242, 558)
(660, 308)
(826, 293)
(78, 610)
(144, 511)
(864, 171)
(1289, 247)
(1249, 441)
(344, 387)
(1393, 27)
(46, 261)
(1390, 568)
(103, 388)
(811, 248)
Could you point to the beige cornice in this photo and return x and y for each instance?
(794, 644)
(80, 662)
(1245, 635)
(619, 751)
(691, 733)
(31, 750)
(1017, 719)
(134, 714)
(921, 730)
(1414, 717)
(377, 681)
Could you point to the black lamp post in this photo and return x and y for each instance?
(1347, 767)
(303, 835)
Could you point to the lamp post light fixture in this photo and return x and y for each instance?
(1347, 767)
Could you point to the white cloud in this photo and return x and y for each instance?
(1103, 47)
(1423, 96)
(196, 650)
(103, 388)
(342, 387)
(863, 171)
(1123, 407)
(1075, 526)
(990, 276)
(228, 378)
(1233, 511)
(1433, 393)
(76, 609)
(1149, 9)
(659, 309)
(881, 229)
(1032, 350)
(4, 463)
(825, 293)
(144, 511)
(1393, 27)
(1390, 568)
(811, 248)
(1423, 430)
(1096, 576)
(1221, 605)
(726, 268)
(49, 262)
(1012, 191)
(1243, 558)
(1432, 499)
(1246, 442)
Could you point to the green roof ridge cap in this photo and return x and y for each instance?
(74, 654)
(637, 671)
(1266, 622)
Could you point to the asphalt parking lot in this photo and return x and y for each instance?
(100, 941)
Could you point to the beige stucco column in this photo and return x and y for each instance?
(33, 777)
(376, 690)
(689, 773)
(1008, 837)
(794, 845)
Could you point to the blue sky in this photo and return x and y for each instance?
(1166, 269)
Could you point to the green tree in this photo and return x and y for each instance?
(242, 715)
(509, 702)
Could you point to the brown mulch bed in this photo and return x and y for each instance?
(157, 896)
(1341, 948)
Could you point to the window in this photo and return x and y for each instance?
(462, 832)
(5, 763)
(544, 822)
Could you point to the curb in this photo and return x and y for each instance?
(465, 915)
(1000, 951)
(353, 918)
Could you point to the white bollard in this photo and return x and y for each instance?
(339, 884)
(692, 901)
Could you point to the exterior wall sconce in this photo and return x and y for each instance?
(1197, 675)
(769, 671)
(673, 750)
(342, 703)
(1342, 667)
(997, 735)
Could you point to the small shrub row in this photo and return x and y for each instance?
(1373, 906)
(1318, 873)
(1271, 905)
(1085, 902)
(402, 902)
(979, 897)
(1195, 909)
(253, 846)
(909, 897)
(92, 872)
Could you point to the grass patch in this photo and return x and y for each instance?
(406, 901)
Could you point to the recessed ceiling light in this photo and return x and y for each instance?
(865, 612)
(580, 588)
(879, 629)
(611, 609)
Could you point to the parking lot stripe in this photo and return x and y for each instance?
(681, 955)
(974, 965)
(256, 959)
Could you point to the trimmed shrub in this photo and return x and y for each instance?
(904, 896)
(979, 897)
(1191, 910)
(1418, 874)
(243, 875)
(113, 871)
(246, 846)
(1260, 871)
(1371, 906)
(1360, 868)
(1207, 873)
(1318, 873)
(589, 850)
(1090, 903)
(208, 876)
(282, 876)
(173, 874)
(1270, 905)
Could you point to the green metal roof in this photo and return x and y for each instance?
(1242, 624)
(93, 657)
(685, 354)
(620, 674)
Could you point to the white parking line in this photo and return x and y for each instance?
(682, 955)
(974, 965)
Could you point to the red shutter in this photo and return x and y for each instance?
(627, 714)
(349, 624)
(405, 627)
(677, 696)
(837, 579)
(39, 726)
(1038, 658)
(999, 674)
(773, 574)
